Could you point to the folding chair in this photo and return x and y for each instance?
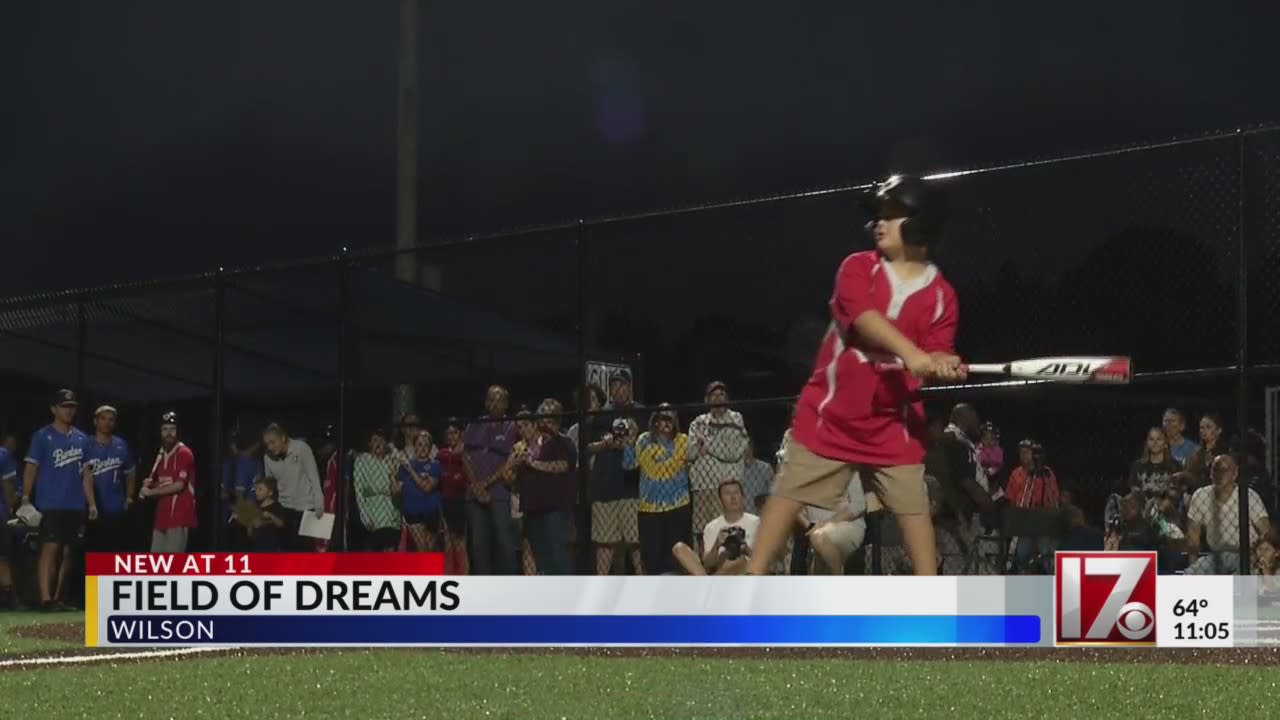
(1019, 525)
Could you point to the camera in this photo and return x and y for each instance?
(620, 428)
(733, 542)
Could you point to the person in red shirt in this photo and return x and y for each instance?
(453, 488)
(893, 326)
(1033, 484)
(172, 483)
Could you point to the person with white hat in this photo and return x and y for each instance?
(110, 482)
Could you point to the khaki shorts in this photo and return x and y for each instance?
(813, 480)
(615, 521)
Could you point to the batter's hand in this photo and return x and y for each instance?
(948, 367)
(921, 365)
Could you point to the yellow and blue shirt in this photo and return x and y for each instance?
(664, 471)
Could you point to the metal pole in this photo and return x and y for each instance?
(638, 375)
(402, 400)
(341, 491)
(212, 493)
(82, 344)
(586, 561)
(1242, 351)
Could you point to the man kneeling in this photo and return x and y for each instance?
(727, 539)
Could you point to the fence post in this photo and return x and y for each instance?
(219, 389)
(585, 549)
(340, 489)
(637, 378)
(1242, 351)
(82, 344)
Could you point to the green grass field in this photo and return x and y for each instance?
(433, 684)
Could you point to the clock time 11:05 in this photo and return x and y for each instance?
(1201, 631)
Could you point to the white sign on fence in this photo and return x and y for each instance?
(598, 374)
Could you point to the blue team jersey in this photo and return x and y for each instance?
(58, 458)
(8, 471)
(239, 473)
(111, 462)
(413, 501)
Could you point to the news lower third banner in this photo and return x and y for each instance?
(391, 599)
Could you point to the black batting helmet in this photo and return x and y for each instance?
(922, 204)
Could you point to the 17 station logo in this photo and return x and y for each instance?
(1105, 598)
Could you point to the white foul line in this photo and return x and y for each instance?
(106, 657)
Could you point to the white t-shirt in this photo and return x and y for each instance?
(748, 522)
(854, 496)
(723, 451)
(1221, 518)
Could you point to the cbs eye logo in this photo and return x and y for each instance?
(1106, 598)
(1136, 621)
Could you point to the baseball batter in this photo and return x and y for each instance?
(857, 417)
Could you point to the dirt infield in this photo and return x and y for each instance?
(62, 632)
(74, 633)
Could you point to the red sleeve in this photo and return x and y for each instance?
(945, 316)
(186, 463)
(852, 295)
(1052, 491)
(1017, 479)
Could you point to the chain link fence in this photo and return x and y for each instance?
(1161, 252)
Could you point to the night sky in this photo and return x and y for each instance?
(145, 137)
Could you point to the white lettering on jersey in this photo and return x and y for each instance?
(68, 456)
(101, 466)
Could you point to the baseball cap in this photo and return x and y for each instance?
(169, 418)
(105, 409)
(714, 386)
(621, 375)
(64, 398)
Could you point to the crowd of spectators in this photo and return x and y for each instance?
(1180, 498)
(500, 494)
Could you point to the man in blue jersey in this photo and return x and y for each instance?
(110, 483)
(53, 473)
(240, 471)
(8, 474)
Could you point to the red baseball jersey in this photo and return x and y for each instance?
(854, 408)
(179, 509)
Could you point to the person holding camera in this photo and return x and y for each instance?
(1032, 484)
(727, 537)
(614, 489)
